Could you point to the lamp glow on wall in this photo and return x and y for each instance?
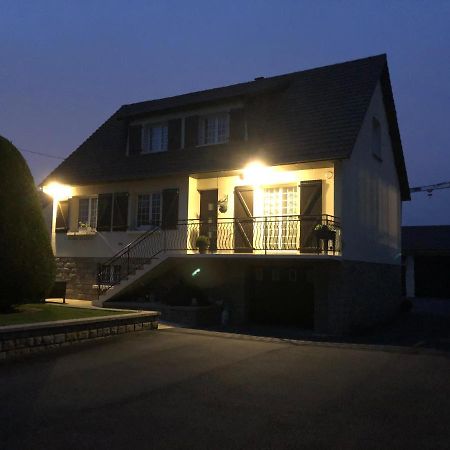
(58, 192)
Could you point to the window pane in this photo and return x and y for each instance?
(143, 210)
(222, 128)
(83, 211)
(156, 209)
(93, 218)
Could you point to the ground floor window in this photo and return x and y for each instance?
(282, 230)
(148, 210)
(87, 213)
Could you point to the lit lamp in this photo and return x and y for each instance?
(254, 173)
(58, 192)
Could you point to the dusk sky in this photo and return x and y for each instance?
(66, 66)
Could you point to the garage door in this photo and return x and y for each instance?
(432, 276)
(281, 295)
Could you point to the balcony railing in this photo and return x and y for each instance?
(295, 234)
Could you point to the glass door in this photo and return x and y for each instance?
(280, 203)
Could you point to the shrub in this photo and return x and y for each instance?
(27, 265)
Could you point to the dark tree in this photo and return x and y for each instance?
(27, 265)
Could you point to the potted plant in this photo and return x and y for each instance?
(202, 243)
(323, 231)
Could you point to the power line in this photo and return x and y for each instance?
(42, 154)
(431, 187)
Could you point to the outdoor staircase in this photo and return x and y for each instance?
(130, 265)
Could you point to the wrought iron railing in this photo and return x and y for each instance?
(261, 235)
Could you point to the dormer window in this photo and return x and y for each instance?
(214, 129)
(155, 137)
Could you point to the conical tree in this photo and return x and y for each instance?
(27, 265)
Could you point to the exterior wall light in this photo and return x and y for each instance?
(58, 191)
(254, 173)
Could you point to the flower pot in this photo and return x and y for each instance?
(202, 248)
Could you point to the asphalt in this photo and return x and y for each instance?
(183, 389)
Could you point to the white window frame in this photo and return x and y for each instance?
(216, 139)
(150, 225)
(283, 233)
(91, 224)
(147, 143)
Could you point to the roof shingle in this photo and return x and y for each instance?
(302, 116)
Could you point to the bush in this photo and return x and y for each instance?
(27, 265)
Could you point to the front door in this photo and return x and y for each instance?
(243, 219)
(208, 216)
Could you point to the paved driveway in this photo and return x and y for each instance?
(175, 389)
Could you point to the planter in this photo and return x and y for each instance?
(202, 249)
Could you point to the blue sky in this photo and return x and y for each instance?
(67, 65)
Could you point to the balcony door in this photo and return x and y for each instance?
(208, 216)
(281, 208)
(311, 213)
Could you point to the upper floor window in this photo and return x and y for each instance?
(155, 138)
(214, 129)
(376, 138)
(87, 213)
(148, 210)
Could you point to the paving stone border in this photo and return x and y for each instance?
(22, 340)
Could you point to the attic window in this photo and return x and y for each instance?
(376, 138)
(155, 138)
(214, 129)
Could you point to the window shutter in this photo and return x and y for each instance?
(237, 125)
(191, 131)
(174, 134)
(62, 217)
(170, 209)
(104, 212)
(135, 139)
(120, 212)
(310, 212)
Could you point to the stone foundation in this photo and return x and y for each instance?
(353, 295)
(349, 296)
(80, 275)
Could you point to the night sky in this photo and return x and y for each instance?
(67, 65)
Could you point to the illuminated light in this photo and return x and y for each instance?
(196, 272)
(255, 173)
(58, 191)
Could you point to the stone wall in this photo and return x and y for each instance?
(354, 295)
(80, 275)
(23, 340)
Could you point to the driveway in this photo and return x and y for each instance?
(181, 389)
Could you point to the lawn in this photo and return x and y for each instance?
(40, 312)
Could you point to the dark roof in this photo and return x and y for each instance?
(426, 238)
(310, 115)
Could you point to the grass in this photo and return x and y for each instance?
(44, 312)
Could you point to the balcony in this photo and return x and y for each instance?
(292, 234)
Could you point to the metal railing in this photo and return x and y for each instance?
(262, 235)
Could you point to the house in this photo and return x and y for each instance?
(426, 259)
(296, 181)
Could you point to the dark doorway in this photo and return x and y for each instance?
(311, 214)
(281, 295)
(243, 219)
(431, 273)
(208, 216)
